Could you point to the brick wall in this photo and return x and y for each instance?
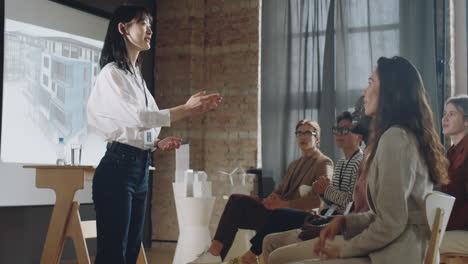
(207, 45)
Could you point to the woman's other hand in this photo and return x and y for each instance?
(168, 144)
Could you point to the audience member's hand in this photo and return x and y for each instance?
(168, 144)
(200, 102)
(329, 232)
(319, 186)
(328, 253)
(333, 228)
(274, 196)
(272, 204)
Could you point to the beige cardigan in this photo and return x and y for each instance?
(395, 230)
(304, 171)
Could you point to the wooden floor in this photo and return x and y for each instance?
(158, 254)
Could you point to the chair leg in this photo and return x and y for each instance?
(142, 256)
(260, 259)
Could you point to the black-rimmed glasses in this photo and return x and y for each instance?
(342, 130)
(305, 133)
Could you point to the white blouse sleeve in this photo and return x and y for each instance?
(114, 98)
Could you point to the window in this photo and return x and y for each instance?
(57, 114)
(59, 71)
(86, 74)
(65, 50)
(45, 80)
(366, 30)
(74, 52)
(373, 31)
(61, 93)
(46, 62)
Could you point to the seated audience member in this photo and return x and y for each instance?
(455, 125)
(294, 244)
(337, 195)
(405, 159)
(251, 212)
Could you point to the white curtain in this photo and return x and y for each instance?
(317, 56)
(293, 39)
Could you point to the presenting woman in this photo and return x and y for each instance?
(121, 109)
(455, 125)
(405, 161)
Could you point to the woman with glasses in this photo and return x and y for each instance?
(455, 125)
(285, 242)
(340, 193)
(405, 160)
(251, 212)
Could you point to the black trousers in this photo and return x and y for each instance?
(280, 220)
(241, 211)
(120, 187)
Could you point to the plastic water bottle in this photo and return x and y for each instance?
(61, 152)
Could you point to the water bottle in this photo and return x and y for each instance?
(61, 152)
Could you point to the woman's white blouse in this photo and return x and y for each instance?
(117, 108)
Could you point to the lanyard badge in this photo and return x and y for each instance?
(148, 138)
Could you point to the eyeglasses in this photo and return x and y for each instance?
(342, 130)
(305, 133)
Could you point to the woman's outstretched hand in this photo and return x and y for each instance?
(201, 102)
(168, 144)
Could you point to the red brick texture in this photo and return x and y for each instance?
(209, 45)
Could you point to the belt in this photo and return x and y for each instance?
(116, 146)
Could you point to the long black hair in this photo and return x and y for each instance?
(403, 102)
(114, 49)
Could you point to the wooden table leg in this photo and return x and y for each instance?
(65, 183)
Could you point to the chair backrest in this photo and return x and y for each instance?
(438, 208)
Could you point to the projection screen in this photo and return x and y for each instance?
(51, 56)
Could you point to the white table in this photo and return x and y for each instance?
(193, 216)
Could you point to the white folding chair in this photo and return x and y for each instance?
(438, 208)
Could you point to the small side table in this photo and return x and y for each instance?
(65, 220)
(193, 216)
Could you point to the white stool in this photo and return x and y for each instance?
(193, 216)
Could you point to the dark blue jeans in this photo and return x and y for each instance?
(120, 187)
